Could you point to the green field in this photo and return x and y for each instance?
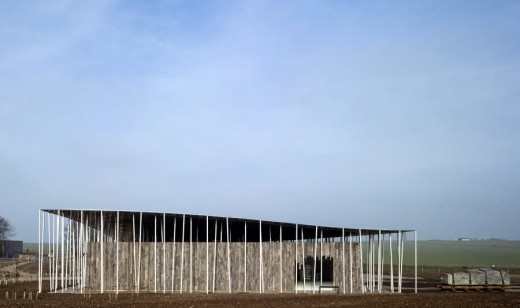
(485, 253)
(501, 254)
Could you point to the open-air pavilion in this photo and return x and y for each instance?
(133, 251)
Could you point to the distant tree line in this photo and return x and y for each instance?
(6, 231)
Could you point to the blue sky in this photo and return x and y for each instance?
(383, 114)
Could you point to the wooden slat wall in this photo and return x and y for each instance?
(271, 266)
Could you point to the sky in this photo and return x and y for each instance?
(371, 114)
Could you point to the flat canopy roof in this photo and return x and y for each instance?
(129, 220)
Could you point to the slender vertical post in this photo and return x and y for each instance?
(56, 238)
(261, 271)
(281, 259)
(191, 253)
(139, 260)
(81, 248)
(215, 257)
(102, 252)
(296, 261)
(62, 251)
(361, 259)
(207, 254)
(343, 257)
(379, 264)
(155, 255)
(314, 269)
(39, 252)
(350, 259)
(135, 260)
(173, 251)
(117, 252)
(399, 240)
(182, 248)
(391, 263)
(245, 256)
(415, 252)
(50, 253)
(303, 262)
(164, 252)
(228, 255)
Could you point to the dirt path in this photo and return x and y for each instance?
(15, 268)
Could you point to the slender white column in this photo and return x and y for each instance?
(50, 253)
(102, 252)
(182, 249)
(139, 260)
(415, 252)
(81, 243)
(228, 255)
(303, 263)
(117, 252)
(56, 252)
(343, 257)
(261, 271)
(62, 230)
(314, 270)
(361, 265)
(245, 256)
(350, 258)
(164, 252)
(379, 274)
(399, 240)
(191, 253)
(296, 261)
(173, 251)
(155, 255)
(67, 254)
(133, 245)
(391, 263)
(39, 252)
(281, 259)
(215, 258)
(207, 254)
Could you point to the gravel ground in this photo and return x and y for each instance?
(422, 299)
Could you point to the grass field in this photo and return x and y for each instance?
(502, 254)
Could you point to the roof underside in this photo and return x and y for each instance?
(154, 224)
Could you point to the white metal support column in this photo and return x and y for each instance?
(415, 252)
(139, 259)
(117, 252)
(228, 255)
(245, 256)
(182, 250)
(350, 259)
(102, 253)
(155, 255)
(281, 261)
(391, 263)
(343, 258)
(191, 254)
(314, 269)
(361, 265)
(174, 244)
(164, 252)
(207, 254)
(296, 261)
(260, 263)
(215, 257)
(379, 263)
(303, 262)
